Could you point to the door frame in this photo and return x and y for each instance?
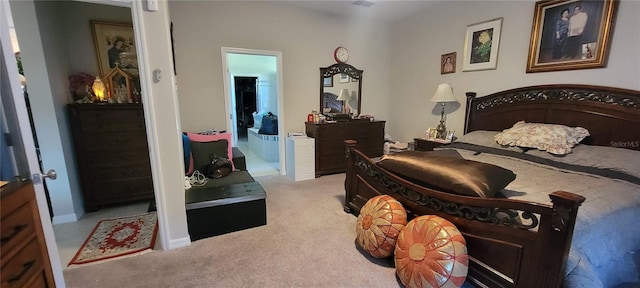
(230, 99)
(29, 147)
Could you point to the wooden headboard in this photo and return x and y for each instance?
(612, 115)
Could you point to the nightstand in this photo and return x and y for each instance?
(422, 144)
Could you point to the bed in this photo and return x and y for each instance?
(552, 238)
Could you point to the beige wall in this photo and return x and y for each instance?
(305, 38)
(418, 44)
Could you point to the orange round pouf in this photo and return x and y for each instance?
(431, 252)
(380, 221)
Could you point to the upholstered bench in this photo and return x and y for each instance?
(218, 210)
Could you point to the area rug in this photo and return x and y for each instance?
(118, 237)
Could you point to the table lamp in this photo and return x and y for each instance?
(444, 94)
(98, 89)
(344, 97)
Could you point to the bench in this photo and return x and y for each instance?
(218, 210)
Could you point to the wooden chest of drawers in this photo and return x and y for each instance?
(25, 261)
(330, 148)
(111, 152)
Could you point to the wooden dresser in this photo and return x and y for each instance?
(24, 256)
(330, 148)
(111, 152)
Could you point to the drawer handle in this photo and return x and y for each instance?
(25, 268)
(15, 232)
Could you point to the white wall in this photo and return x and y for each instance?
(419, 41)
(305, 38)
(263, 67)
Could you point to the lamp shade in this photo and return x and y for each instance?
(98, 89)
(344, 95)
(444, 93)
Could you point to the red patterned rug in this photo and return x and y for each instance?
(118, 237)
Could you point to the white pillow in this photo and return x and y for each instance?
(553, 138)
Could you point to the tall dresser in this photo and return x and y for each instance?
(111, 152)
(330, 148)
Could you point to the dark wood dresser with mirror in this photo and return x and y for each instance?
(112, 153)
(330, 147)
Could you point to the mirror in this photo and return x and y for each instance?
(333, 80)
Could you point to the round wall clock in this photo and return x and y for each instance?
(341, 54)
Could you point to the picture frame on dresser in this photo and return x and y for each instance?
(569, 35)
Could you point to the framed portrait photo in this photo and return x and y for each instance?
(449, 136)
(570, 34)
(431, 133)
(481, 45)
(448, 63)
(328, 82)
(115, 44)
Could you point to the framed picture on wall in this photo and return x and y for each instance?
(328, 82)
(344, 78)
(115, 45)
(448, 63)
(571, 34)
(481, 45)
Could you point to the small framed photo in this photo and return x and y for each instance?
(448, 63)
(481, 45)
(432, 133)
(328, 82)
(344, 78)
(450, 135)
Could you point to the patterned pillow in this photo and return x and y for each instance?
(555, 139)
(380, 221)
(431, 252)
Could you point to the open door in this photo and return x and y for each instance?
(24, 152)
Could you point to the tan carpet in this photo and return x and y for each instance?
(309, 241)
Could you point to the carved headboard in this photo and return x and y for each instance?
(612, 115)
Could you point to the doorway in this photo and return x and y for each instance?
(259, 75)
(246, 91)
(68, 233)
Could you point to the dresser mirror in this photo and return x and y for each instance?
(333, 80)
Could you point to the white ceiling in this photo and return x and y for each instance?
(386, 10)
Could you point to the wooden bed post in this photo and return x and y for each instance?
(563, 220)
(470, 97)
(350, 173)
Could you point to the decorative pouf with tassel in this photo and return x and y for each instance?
(380, 221)
(431, 252)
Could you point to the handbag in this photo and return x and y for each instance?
(218, 167)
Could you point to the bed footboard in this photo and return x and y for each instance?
(510, 243)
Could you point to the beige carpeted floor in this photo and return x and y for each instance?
(309, 241)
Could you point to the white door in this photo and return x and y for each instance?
(14, 107)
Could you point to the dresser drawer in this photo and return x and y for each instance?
(16, 228)
(115, 140)
(136, 188)
(110, 127)
(22, 266)
(121, 173)
(116, 158)
(110, 114)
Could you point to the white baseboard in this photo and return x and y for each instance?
(179, 243)
(68, 218)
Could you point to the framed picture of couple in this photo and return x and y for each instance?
(570, 34)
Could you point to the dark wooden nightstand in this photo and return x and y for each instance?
(422, 144)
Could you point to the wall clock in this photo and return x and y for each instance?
(341, 54)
